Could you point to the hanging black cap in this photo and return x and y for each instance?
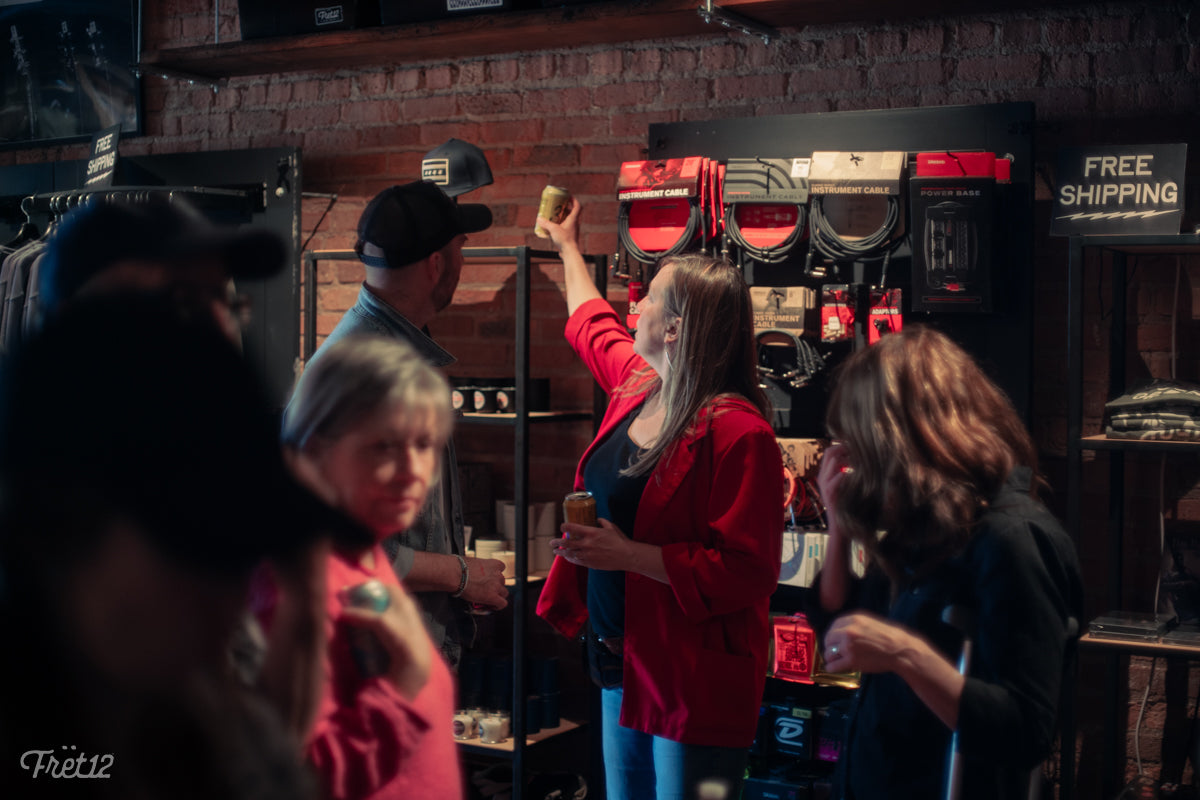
(457, 167)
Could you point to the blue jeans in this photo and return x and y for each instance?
(638, 766)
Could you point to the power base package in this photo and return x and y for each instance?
(952, 208)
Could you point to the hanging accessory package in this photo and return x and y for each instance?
(856, 180)
(764, 203)
(664, 210)
(791, 371)
(661, 206)
(838, 310)
(953, 202)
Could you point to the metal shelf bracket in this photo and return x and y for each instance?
(712, 13)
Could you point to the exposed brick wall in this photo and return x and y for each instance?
(1110, 72)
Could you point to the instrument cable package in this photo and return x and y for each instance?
(846, 187)
(792, 372)
(783, 307)
(765, 206)
(661, 206)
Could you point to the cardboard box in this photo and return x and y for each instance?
(397, 12)
(266, 18)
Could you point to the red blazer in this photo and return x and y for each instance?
(695, 657)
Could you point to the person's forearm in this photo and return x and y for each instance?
(935, 681)
(433, 572)
(580, 286)
(835, 574)
(647, 559)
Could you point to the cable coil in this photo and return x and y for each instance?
(765, 255)
(631, 247)
(829, 243)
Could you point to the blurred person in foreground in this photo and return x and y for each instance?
(163, 244)
(159, 243)
(933, 474)
(141, 482)
(369, 422)
(672, 589)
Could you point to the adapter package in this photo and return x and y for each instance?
(952, 207)
(838, 309)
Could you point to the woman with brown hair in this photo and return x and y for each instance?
(932, 473)
(673, 585)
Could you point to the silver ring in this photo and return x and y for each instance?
(833, 651)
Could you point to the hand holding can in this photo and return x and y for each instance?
(580, 508)
(369, 653)
(554, 206)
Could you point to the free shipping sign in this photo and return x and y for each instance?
(1119, 189)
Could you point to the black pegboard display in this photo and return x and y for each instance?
(1001, 340)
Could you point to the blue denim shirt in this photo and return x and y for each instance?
(439, 526)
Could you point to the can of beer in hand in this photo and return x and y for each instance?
(369, 654)
(580, 508)
(555, 205)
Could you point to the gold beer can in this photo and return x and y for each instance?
(555, 205)
(580, 508)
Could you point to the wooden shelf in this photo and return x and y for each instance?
(533, 577)
(505, 419)
(1154, 244)
(1102, 442)
(515, 31)
(477, 746)
(1143, 647)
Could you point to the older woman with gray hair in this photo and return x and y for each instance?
(366, 427)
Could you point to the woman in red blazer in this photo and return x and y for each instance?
(672, 588)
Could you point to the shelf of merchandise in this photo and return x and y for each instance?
(1162, 646)
(1102, 442)
(1118, 249)
(506, 747)
(504, 419)
(520, 421)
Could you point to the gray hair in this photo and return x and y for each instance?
(357, 377)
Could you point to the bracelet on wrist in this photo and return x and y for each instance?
(466, 576)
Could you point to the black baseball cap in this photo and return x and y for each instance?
(167, 425)
(104, 232)
(457, 167)
(411, 221)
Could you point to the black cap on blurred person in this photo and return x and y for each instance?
(123, 407)
(457, 167)
(408, 223)
(158, 229)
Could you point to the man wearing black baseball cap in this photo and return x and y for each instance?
(410, 237)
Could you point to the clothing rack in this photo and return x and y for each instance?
(240, 201)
